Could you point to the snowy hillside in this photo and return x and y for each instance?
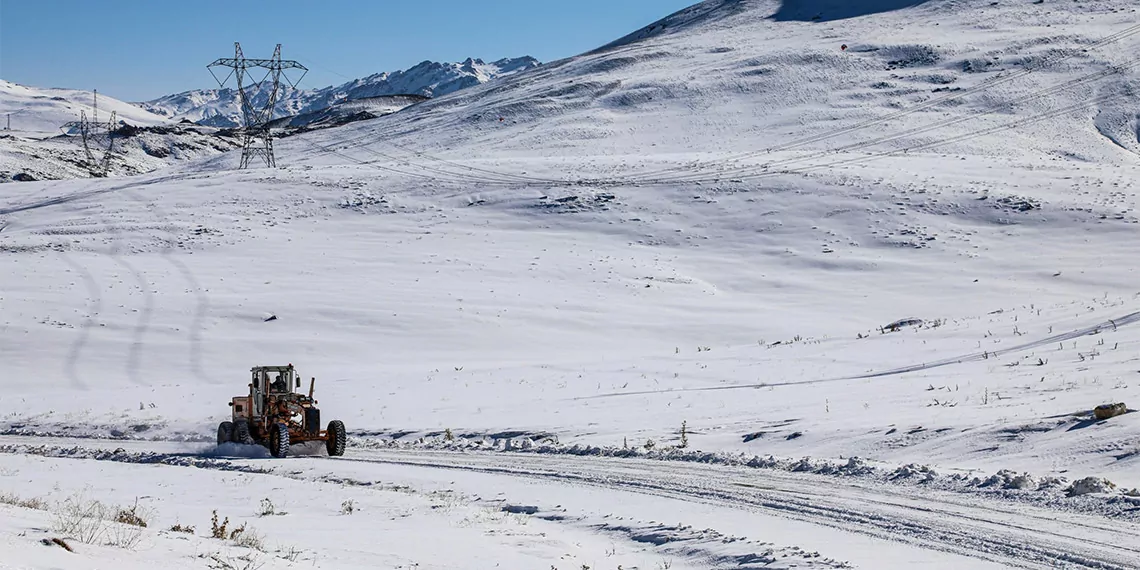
(136, 151)
(347, 111)
(219, 107)
(814, 306)
(44, 110)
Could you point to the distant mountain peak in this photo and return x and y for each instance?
(219, 107)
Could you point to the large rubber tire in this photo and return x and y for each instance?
(336, 441)
(279, 440)
(241, 433)
(225, 432)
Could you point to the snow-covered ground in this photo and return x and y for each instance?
(710, 223)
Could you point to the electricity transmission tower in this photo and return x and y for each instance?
(96, 136)
(257, 99)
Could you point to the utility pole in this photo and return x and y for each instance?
(95, 137)
(257, 141)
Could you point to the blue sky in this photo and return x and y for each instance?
(141, 49)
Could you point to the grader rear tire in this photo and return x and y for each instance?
(225, 432)
(279, 440)
(336, 441)
(241, 433)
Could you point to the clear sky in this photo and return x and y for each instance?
(138, 50)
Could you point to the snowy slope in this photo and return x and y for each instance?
(44, 110)
(219, 107)
(348, 111)
(728, 77)
(708, 223)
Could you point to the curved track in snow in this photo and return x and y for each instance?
(1017, 536)
(1010, 534)
(1113, 324)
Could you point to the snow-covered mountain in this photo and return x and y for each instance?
(219, 107)
(44, 110)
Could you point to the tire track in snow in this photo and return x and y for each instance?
(202, 301)
(94, 307)
(924, 520)
(1022, 537)
(1113, 324)
(143, 322)
(88, 192)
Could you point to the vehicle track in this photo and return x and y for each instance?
(1111, 324)
(1014, 535)
(1017, 536)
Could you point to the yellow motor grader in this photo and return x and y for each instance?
(275, 416)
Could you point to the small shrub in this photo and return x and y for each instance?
(684, 434)
(93, 522)
(217, 562)
(248, 538)
(347, 507)
(182, 528)
(649, 444)
(132, 516)
(33, 503)
(447, 435)
(218, 530)
(268, 509)
(124, 535)
(81, 519)
(291, 555)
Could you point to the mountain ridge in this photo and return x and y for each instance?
(219, 107)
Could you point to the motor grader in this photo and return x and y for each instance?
(275, 416)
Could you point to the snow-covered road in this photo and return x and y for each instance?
(815, 513)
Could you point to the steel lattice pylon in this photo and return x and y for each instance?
(257, 140)
(96, 136)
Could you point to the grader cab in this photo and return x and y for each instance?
(276, 415)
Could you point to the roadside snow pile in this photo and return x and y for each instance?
(1100, 495)
(1090, 485)
(154, 429)
(1007, 479)
(121, 455)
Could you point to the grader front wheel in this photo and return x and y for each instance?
(279, 440)
(336, 440)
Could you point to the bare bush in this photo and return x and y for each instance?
(248, 538)
(245, 562)
(16, 501)
(81, 519)
(133, 516)
(218, 530)
(268, 508)
(123, 535)
(347, 507)
(93, 522)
